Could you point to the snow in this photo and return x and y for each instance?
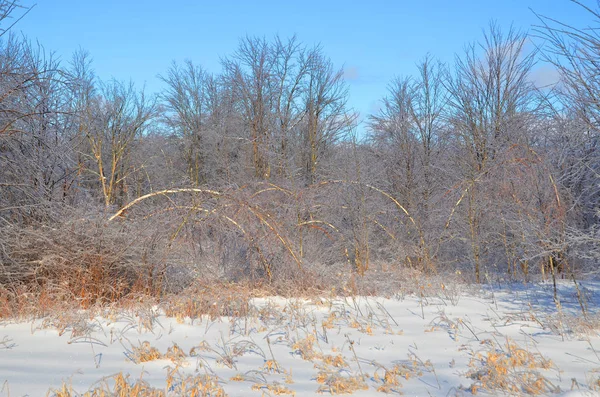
(439, 340)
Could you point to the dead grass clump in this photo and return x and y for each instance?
(175, 354)
(510, 369)
(335, 361)
(338, 383)
(274, 388)
(390, 379)
(329, 322)
(214, 299)
(361, 327)
(305, 348)
(117, 385)
(272, 366)
(238, 378)
(202, 347)
(195, 386)
(311, 281)
(387, 279)
(390, 383)
(593, 380)
(144, 353)
(77, 260)
(176, 384)
(26, 301)
(69, 321)
(575, 324)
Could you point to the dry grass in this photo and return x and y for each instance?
(71, 276)
(339, 383)
(215, 299)
(119, 385)
(565, 324)
(335, 361)
(104, 283)
(506, 368)
(593, 380)
(145, 352)
(272, 366)
(305, 348)
(390, 382)
(78, 259)
(274, 389)
(509, 368)
(237, 378)
(389, 378)
(175, 354)
(202, 347)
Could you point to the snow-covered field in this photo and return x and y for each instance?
(503, 339)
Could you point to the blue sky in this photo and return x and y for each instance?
(374, 40)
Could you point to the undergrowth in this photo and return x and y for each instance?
(211, 297)
(509, 368)
(121, 385)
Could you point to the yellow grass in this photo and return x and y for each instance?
(509, 368)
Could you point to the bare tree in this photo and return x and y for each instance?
(249, 73)
(408, 135)
(393, 132)
(428, 107)
(8, 8)
(185, 99)
(35, 158)
(487, 95)
(327, 117)
(120, 115)
(290, 68)
(574, 52)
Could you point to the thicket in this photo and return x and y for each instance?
(257, 174)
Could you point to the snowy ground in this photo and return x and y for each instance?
(455, 343)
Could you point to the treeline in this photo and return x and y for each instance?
(257, 172)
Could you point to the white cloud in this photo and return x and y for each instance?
(351, 73)
(545, 76)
